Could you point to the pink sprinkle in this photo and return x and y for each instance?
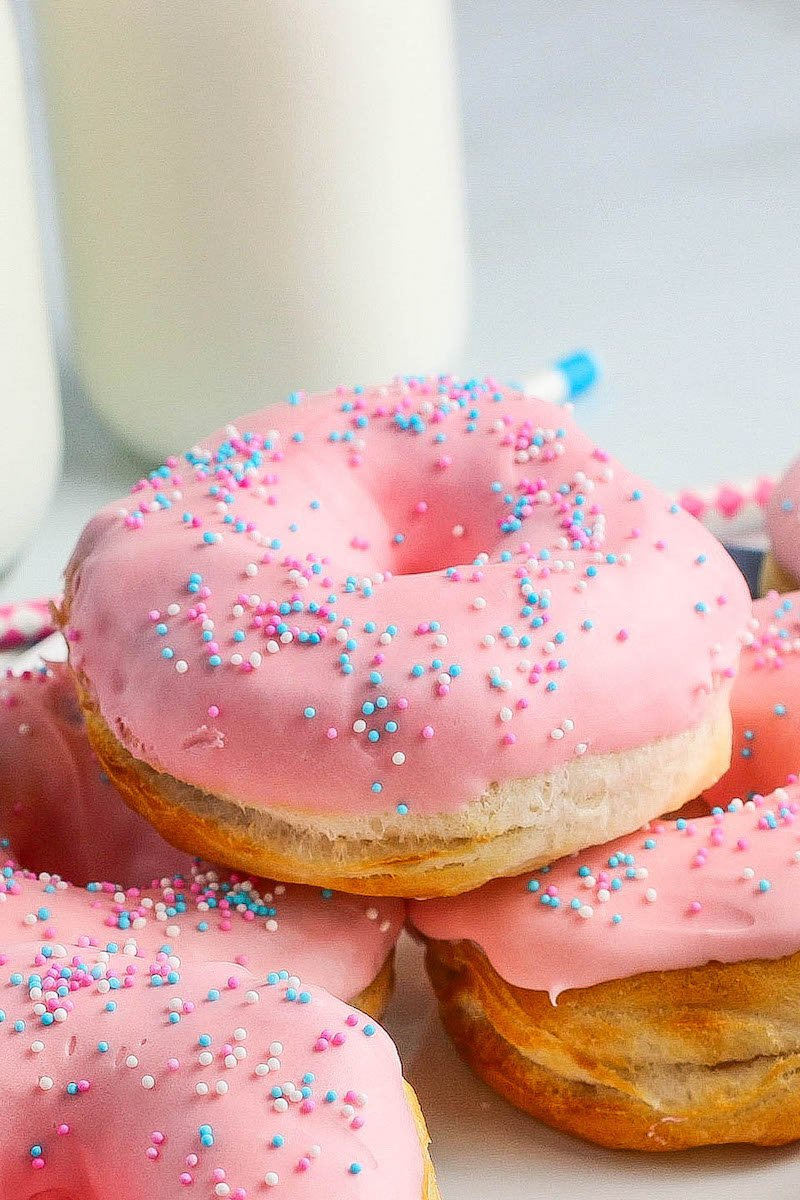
(623, 635)
(173, 1064)
(338, 1039)
(428, 731)
(151, 1152)
(213, 711)
(233, 983)
(695, 906)
(62, 1130)
(185, 1178)
(38, 1163)
(218, 1175)
(401, 704)
(509, 739)
(332, 733)
(351, 1019)
(304, 1164)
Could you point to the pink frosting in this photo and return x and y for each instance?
(222, 1080)
(783, 520)
(57, 809)
(722, 888)
(58, 814)
(766, 703)
(385, 600)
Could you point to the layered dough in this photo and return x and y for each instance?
(516, 826)
(664, 1061)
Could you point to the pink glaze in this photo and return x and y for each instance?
(722, 888)
(494, 626)
(783, 520)
(57, 808)
(766, 703)
(132, 1090)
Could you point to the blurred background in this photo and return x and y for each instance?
(236, 199)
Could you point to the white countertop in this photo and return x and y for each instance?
(633, 175)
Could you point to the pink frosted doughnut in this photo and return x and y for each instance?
(402, 639)
(640, 994)
(58, 813)
(136, 1065)
(56, 803)
(765, 703)
(782, 568)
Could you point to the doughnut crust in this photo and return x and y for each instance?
(661, 1061)
(513, 828)
(774, 578)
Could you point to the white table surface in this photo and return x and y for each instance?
(633, 173)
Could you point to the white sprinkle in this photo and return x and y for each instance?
(372, 914)
(458, 531)
(506, 714)
(181, 666)
(261, 1070)
(281, 1105)
(272, 646)
(173, 609)
(585, 911)
(201, 1089)
(651, 895)
(222, 1189)
(488, 639)
(240, 1035)
(271, 924)
(221, 1087)
(398, 758)
(205, 1058)
(567, 725)
(251, 569)
(556, 734)
(359, 726)
(131, 1061)
(479, 602)
(45, 1083)
(603, 895)
(255, 659)
(148, 1082)
(271, 1179)
(581, 748)
(252, 997)
(231, 1061)
(276, 1048)
(748, 873)
(37, 1047)
(440, 639)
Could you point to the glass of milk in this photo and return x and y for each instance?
(255, 197)
(29, 402)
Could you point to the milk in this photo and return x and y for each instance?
(255, 197)
(30, 430)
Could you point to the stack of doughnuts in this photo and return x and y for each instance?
(420, 642)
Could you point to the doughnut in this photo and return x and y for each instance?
(57, 813)
(781, 570)
(643, 994)
(402, 640)
(765, 703)
(56, 802)
(134, 1067)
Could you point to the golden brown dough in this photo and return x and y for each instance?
(774, 578)
(468, 849)
(660, 1061)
